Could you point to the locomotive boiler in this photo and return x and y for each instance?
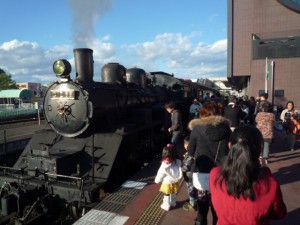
(101, 133)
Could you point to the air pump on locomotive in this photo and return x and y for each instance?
(101, 132)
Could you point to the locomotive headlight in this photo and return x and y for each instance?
(62, 68)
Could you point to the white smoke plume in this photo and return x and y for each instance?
(86, 13)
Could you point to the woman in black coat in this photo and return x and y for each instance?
(209, 135)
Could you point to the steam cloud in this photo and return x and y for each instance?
(85, 16)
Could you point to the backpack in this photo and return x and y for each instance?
(295, 124)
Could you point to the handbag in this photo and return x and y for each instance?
(201, 180)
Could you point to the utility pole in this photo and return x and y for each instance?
(273, 82)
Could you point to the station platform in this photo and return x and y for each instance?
(138, 200)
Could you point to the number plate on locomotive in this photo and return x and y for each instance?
(67, 94)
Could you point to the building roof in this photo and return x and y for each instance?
(16, 93)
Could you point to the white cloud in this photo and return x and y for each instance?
(177, 54)
(172, 53)
(21, 58)
(212, 17)
(15, 44)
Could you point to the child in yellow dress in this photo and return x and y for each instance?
(169, 174)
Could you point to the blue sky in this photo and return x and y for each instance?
(186, 38)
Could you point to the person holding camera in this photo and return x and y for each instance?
(285, 116)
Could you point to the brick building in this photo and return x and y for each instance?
(37, 89)
(260, 29)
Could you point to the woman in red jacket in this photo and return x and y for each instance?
(242, 191)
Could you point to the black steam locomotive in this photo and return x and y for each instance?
(101, 133)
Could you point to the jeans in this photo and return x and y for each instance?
(203, 203)
(176, 137)
(177, 141)
(190, 191)
(291, 140)
(266, 150)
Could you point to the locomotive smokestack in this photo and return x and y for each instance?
(84, 64)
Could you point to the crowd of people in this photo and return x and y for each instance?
(227, 146)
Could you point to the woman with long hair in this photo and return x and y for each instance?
(242, 191)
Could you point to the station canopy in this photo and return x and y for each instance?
(24, 95)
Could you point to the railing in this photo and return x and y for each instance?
(13, 113)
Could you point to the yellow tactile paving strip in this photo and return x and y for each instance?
(153, 213)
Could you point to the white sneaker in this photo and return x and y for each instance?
(166, 203)
(165, 206)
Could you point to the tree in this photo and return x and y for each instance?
(6, 82)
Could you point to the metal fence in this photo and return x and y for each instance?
(18, 113)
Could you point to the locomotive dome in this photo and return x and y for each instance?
(113, 73)
(136, 76)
